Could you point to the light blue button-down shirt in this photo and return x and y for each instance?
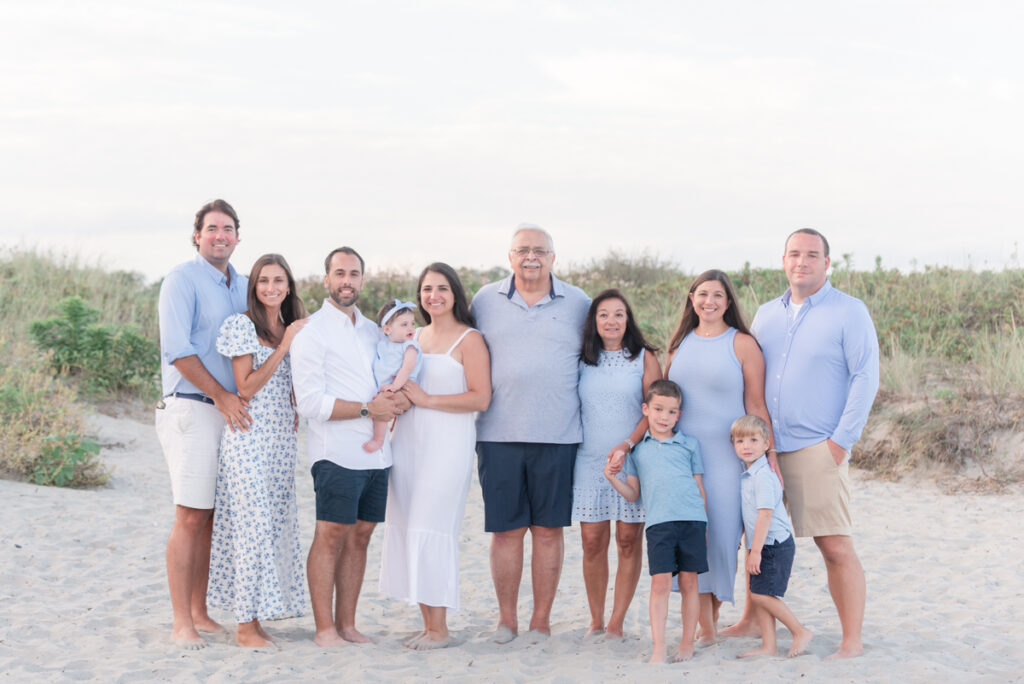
(821, 367)
(195, 298)
(760, 488)
(667, 486)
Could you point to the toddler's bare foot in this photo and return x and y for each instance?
(373, 445)
(328, 638)
(757, 652)
(354, 635)
(743, 628)
(800, 641)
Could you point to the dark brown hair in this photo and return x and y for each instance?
(688, 321)
(664, 388)
(806, 231)
(216, 205)
(460, 307)
(344, 250)
(632, 340)
(291, 308)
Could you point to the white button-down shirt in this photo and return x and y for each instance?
(332, 359)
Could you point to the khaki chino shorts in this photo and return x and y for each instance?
(817, 492)
(189, 433)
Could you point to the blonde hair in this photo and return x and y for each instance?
(748, 425)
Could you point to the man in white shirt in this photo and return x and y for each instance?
(334, 387)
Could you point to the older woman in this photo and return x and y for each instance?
(720, 368)
(616, 367)
(255, 565)
(433, 450)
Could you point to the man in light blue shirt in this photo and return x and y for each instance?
(199, 397)
(821, 376)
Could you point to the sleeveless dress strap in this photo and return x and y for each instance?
(456, 344)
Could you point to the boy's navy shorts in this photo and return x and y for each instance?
(344, 495)
(677, 546)
(776, 564)
(525, 484)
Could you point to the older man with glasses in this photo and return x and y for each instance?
(526, 440)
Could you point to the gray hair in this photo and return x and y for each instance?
(534, 227)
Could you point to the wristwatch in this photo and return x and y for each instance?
(364, 410)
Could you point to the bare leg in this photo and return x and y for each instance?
(349, 579)
(546, 569)
(436, 633)
(661, 587)
(848, 588)
(200, 618)
(321, 570)
(595, 537)
(708, 615)
(629, 542)
(416, 637)
(747, 625)
(691, 609)
(766, 623)
(380, 431)
(507, 573)
(189, 533)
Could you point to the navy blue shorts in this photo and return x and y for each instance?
(677, 546)
(345, 496)
(776, 564)
(526, 484)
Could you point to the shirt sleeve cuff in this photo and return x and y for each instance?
(326, 408)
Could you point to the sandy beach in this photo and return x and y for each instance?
(83, 596)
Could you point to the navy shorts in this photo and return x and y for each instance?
(345, 496)
(677, 546)
(776, 564)
(526, 484)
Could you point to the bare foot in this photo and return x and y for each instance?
(682, 654)
(328, 638)
(740, 629)
(431, 640)
(504, 634)
(253, 640)
(263, 633)
(757, 652)
(800, 641)
(188, 639)
(205, 623)
(593, 630)
(535, 636)
(414, 638)
(658, 655)
(373, 446)
(847, 651)
(354, 635)
(704, 642)
(613, 635)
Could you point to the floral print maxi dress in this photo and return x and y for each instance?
(255, 564)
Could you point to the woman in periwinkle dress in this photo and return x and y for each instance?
(616, 367)
(719, 366)
(433, 450)
(255, 562)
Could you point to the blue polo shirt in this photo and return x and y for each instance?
(666, 470)
(821, 367)
(535, 354)
(195, 298)
(760, 488)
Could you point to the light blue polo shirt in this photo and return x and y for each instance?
(195, 298)
(666, 471)
(535, 354)
(760, 488)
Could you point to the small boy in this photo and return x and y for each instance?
(769, 536)
(666, 467)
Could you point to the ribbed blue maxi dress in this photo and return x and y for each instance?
(711, 377)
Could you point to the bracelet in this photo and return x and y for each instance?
(772, 451)
(631, 443)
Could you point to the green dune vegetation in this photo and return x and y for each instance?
(73, 336)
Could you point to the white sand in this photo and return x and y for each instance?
(83, 596)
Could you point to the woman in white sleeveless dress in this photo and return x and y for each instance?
(433, 450)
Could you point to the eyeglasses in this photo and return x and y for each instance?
(526, 251)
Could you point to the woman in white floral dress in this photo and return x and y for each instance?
(255, 564)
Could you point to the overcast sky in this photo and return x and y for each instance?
(422, 131)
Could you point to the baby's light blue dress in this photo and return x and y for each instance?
(389, 360)
(610, 397)
(711, 377)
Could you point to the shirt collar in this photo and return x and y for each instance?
(676, 438)
(508, 287)
(214, 273)
(812, 299)
(361, 320)
(757, 466)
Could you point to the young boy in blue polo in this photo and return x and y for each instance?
(666, 466)
(769, 536)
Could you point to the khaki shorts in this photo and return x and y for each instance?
(189, 433)
(817, 493)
